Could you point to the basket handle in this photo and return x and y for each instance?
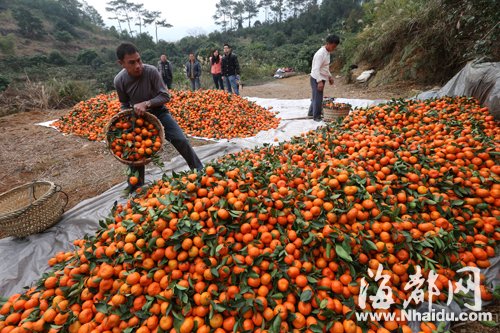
(32, 191)
(59, 190)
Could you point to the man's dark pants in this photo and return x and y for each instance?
(174, 134)
(168, 83)
(317, 100)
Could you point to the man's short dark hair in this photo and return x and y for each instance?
(333, 39)
(226, 44)
(125, 48)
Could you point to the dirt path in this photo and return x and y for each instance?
(298, 87)
(85, 169)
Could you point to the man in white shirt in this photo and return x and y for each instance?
(320, 73)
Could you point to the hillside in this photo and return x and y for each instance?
(25, 46)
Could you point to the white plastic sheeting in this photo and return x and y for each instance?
(479, 80)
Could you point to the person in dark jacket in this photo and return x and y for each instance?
(231, 70)
(165, 69)
(193, 72)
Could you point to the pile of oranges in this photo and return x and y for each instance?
(89, 118)
(133, 138)
(330, 103)
(280, 238)
(216, 114)
(210, 114)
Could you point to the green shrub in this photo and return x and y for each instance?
(150, 57)
(66, 93)
(86, 57)
(55, 58)
(63, 25)
(4, 83)
(63, 36)
(7, 44)
(254, 71)
(29, 25)
(105, 77)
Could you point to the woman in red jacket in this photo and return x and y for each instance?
(216, 69)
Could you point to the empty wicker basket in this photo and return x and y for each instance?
(31, 208)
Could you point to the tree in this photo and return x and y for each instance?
(296, 6)
(139, 12)
(92, 15)
(151, 17)
(71, 10)
(251, 8)
(238, 9)
(163, 24)
(30, 25)
(336, 10)
(123, 12)
(266, 4)
(223, 13)
(278, 8)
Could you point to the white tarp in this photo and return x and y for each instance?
(479, 80)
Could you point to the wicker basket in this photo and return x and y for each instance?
(31, 208)
(335, 112)
(131, 114)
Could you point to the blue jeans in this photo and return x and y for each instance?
(195, 83)
(219, 83)
(232, 85)
(174, 135)
(316, 101)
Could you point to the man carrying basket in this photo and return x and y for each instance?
(140, 86)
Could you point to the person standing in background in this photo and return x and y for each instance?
(216, 69)
(320, 73)
(193, 72)
(165, 69)
(231, 70)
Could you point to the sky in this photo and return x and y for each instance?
(188, 17)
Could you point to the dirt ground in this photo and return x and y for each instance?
(85, 169)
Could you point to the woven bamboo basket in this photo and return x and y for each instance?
(332, 113)
(131, 115)
(31, 208)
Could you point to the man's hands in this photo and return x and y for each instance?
(321, 85)
(140, 108)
